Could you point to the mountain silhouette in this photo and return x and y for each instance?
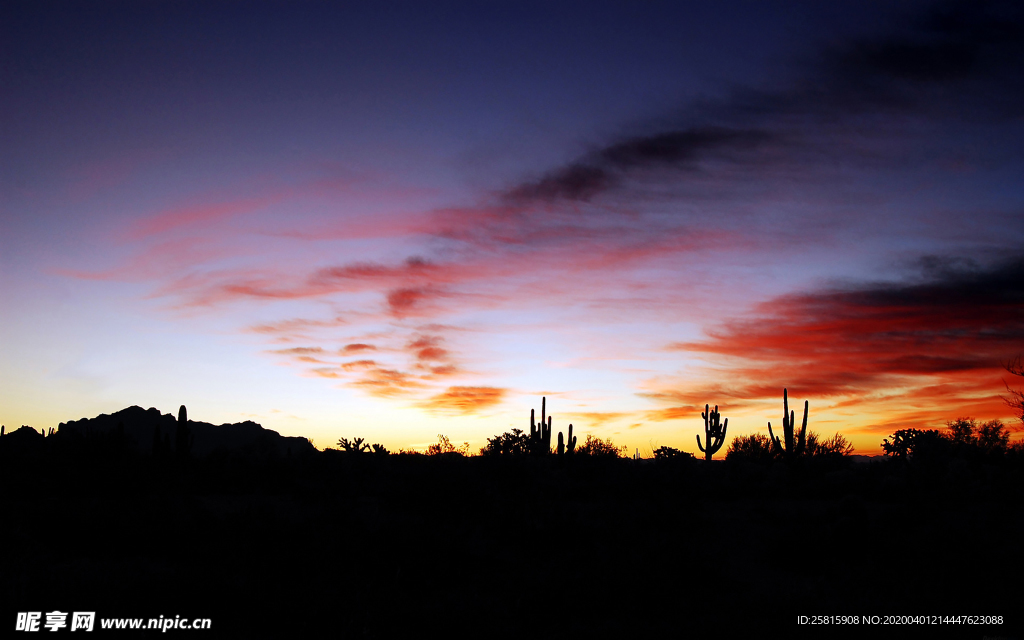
(145, 427)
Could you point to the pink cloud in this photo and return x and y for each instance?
(170, 219)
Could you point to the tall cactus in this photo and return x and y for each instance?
(567, 447)
(540, 434)
(714, 431)
(791, 449)
(183, 436)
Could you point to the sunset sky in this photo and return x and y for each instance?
(397, 220)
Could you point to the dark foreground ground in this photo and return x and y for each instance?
(336, 545)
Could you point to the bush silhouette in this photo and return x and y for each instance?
(835, 447)
(444, 446)
(670, 453)
(964, 438)
(908, 444)
(510, 443)
(756, 447)
(597, 448)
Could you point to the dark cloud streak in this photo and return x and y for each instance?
(958, 60)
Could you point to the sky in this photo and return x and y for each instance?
(396, 220)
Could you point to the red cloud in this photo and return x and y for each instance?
(464, 400)
(937, 344)
(357, 347)
(425, 348)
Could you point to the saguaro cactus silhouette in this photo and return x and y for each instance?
(791, 450)
(540, 434)
(566, 447)
(183, 436)
(714, 431)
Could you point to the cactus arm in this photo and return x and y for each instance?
(803, 432)
(720, 440)
(787, 421)
(561, 445)
(774, 438)
(714, 431)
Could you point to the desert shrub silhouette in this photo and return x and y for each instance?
(595, 447)
(510, 443)
(836, 446)
(908, 444)
(964, 438)
(755, 448)
(670, 453)
(444, 446)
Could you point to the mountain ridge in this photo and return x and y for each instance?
(149, 430)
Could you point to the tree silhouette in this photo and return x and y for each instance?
(990, 437)
(964, 438)
(1016, 397)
